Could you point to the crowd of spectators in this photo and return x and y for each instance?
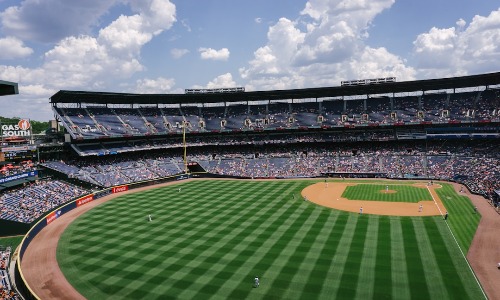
(10, 169)
(30, 201)
(474, 164)
(236, 139)
(6, 289)
(93, 122)
(120, 169)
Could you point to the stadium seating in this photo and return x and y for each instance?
(93, 122)
(27, 203)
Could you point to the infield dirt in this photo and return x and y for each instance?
(330, 195)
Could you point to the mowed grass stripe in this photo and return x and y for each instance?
(374, 192)
(258, 222)
(366, 280)
(320, 275)
(270, 244)
(274, 262)
(432, 272)
(184, 277)
(314, 258)
(416, 276)
(467, 282)
(382, 287)
(450, 274)
(239, 251)
(352, 267)
(461, 216)
(293, 257)
(339, 259)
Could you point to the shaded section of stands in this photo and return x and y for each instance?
(98, 121)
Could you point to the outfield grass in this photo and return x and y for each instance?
(376, 192)
(211, 239)
(12, 241)
(462, 218)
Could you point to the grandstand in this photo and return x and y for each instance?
(412, 124)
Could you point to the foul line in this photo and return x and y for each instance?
(456, 242)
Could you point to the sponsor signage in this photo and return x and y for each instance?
(119, 189)
(85, 200)
(53, 216)
(22, 128)
(20, 148)
(18, 176)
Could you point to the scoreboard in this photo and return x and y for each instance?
(19, 153)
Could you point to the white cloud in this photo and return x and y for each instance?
(433, 48)
(325, 46)
(222, 81)
(37, 90)
(209, 53)
(378, 62)
(178, 53)
(93, 62)
(472, 49)
(13, 48)
(275, 57)
(461, 23)
(159, 85)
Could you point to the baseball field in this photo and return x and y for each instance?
(211, 238)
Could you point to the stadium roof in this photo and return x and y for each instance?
(8, 88)
(323, 92)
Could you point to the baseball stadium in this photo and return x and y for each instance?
(372, 189)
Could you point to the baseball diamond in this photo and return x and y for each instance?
(212, 245)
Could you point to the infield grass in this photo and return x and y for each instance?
(376, 192)
(210, 240)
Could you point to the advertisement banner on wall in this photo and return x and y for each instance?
(18, 176)
(119, 189)
(53, 216)
(85, 200)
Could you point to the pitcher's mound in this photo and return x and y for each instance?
(387, 191)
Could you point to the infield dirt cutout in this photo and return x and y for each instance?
(330, 195)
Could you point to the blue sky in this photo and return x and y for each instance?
(166, 46)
